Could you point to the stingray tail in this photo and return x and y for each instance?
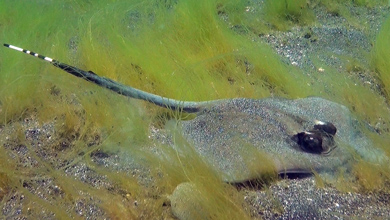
(117, 87)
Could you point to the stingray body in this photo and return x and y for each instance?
(239, 137)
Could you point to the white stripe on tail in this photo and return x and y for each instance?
(29, 52)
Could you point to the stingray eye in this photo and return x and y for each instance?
(326, 127)
(310, 142)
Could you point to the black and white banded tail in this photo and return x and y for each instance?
(70, 69)
(117, 87)
(30, 52)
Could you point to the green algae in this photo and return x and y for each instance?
(282, 13)
(381, 58)
(178, 49)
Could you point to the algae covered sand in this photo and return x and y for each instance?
(69, 147)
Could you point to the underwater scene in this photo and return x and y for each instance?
(183, 109)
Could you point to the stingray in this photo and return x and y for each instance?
(237, 137)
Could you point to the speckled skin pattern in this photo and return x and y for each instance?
(230, 133)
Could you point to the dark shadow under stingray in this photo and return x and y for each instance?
(242, 138)
(261, 182)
